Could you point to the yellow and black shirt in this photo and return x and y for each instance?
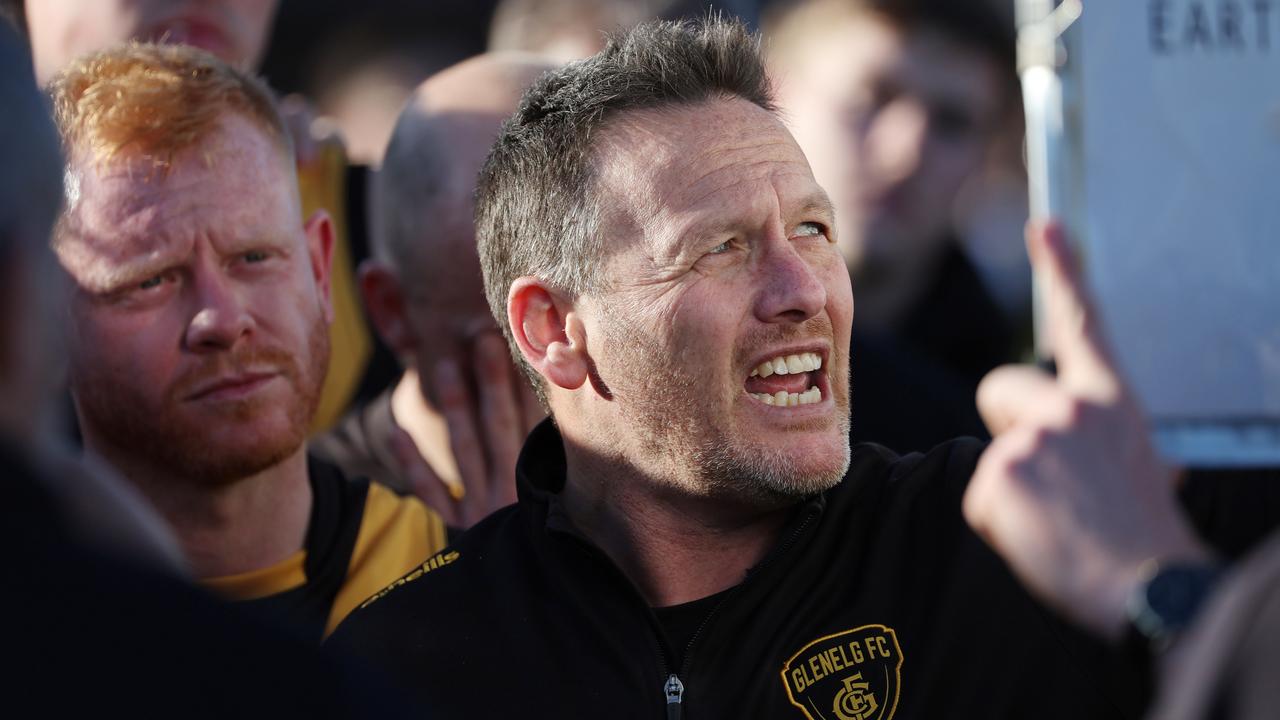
(361, 536)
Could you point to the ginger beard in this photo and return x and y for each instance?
(200, 444)
(692, 419)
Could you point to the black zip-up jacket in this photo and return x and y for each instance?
(878, 602)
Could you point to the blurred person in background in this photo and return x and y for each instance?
(451, 427)
(362, 90)
(110, 618)
(198, 335)
(361, 64)
(573, 29)
(566, 29)
(237, 32)
(897, 103)
(62, 30)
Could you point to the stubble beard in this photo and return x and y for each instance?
(704, 456)
(177, 443)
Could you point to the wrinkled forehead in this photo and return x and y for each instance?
(123, 209)
(230, 186)
(714, 160)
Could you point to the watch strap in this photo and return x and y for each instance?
(1168, 598)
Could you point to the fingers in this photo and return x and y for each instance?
(487, 431)
(423, 481)
(500, 417)
(1080, 350)
(1014, 393)
(993, 495)
(468, 451)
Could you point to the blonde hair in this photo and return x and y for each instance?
(157, 100)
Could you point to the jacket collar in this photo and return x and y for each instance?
(541, 471)
(541, 468)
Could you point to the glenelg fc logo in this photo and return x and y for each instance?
(853, 675)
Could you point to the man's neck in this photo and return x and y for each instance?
(676, 548)
(237, 527)
(425, 425)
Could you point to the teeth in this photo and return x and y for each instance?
(786, 399)
(789, 365)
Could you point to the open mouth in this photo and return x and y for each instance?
(788, 380)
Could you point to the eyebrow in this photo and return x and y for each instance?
(817, 203)
(111, 280)
(141, 267)
(104, 272)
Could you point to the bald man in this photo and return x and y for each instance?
(450, 429)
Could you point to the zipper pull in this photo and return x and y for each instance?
(674, 690)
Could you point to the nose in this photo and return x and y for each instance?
(792, 286)
(895, 141)
(221, 316)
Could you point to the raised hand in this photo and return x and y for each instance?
(486, 433)
(1071, 492)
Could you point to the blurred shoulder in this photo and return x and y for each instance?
(946, 468)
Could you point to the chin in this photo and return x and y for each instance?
(774, 476)
(224, 451)
(230, 461)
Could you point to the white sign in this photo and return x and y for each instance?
(1172, 122)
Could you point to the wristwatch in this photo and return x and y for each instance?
(1167, 599)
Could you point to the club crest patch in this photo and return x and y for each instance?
(852, 675)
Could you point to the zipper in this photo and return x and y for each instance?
(674, 703)
(672, 687)
(674, 690)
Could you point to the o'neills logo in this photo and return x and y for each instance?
(853, 675)
(435, 562)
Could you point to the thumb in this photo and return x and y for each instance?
(1085, 365)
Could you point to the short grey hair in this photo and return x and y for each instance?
(537, 205)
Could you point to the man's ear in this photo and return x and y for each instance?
(549, 335)
(386, 305)
(319, 230)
